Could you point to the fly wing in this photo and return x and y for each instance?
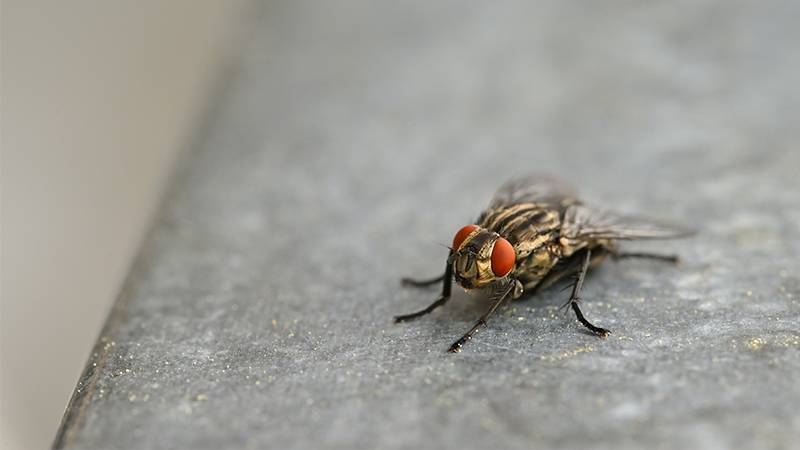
(585, 223)
(533, 189)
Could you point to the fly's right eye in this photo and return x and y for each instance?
(462, 235)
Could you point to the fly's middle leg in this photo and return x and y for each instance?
(447, 284)
(574, 298)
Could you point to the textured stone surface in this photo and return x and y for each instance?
(353, 138)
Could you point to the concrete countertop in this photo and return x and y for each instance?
(352, 139)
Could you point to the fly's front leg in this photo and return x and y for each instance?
(514, 289)
(574, 298)
(421, 283)
(447, 284)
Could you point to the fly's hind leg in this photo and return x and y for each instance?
(574, 298)
(672, 259)
(447, 283)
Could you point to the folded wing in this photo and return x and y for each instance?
(585, 223)
(540, 189)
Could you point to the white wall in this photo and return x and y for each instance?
(97, 99)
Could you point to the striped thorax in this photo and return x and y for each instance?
(530, 230)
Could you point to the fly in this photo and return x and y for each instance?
(534, 233)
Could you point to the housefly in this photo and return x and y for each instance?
(534, 233)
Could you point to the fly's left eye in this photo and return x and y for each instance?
(503, 257)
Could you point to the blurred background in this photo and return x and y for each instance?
(98, 98)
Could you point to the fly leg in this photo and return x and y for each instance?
(673, 259)
(497, 300)
(574, 298)
(447, 283)
(421, 283)
(565, 268)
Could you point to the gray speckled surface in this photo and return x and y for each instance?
(353, 138)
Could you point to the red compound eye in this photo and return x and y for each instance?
(503, 257)
(462, 234)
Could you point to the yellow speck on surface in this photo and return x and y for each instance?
(568, 354)
(520, 318)
(785, 341)
(755, 344)
(793, 340)
(274, 323)
(131, 397)
(201, 397)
